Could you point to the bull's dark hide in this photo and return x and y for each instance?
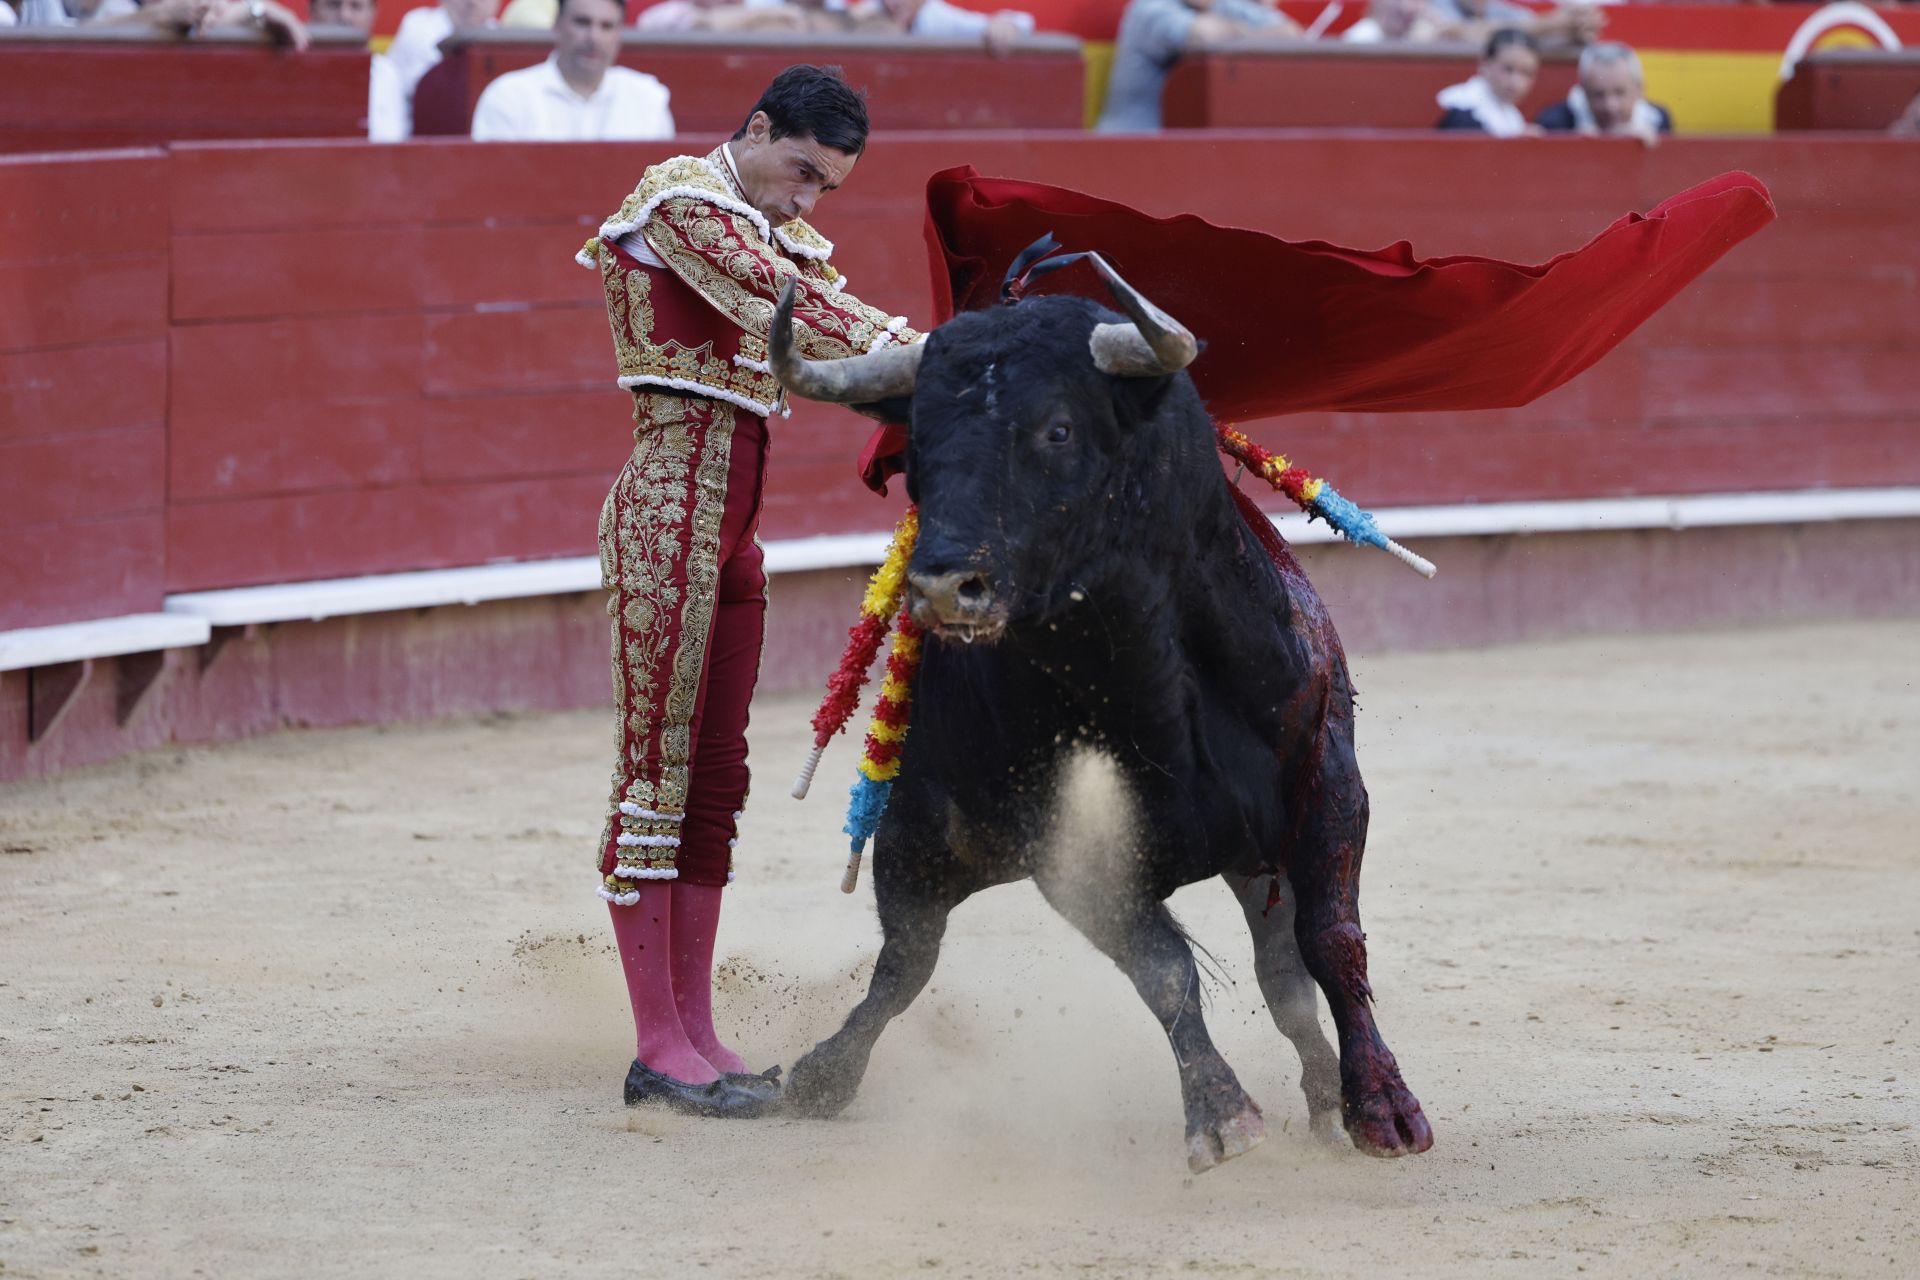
(1087, 581)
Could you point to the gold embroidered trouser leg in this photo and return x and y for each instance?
(678, 555)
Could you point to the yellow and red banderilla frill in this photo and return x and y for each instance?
(880, 761)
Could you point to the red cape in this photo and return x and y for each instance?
(1349, 329)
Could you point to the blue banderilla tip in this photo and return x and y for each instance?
(1353, 523)
(868, 802)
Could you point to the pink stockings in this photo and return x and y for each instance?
(666, 949)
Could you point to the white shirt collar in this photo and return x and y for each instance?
(733, 170)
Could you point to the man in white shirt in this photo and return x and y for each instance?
(577, 94)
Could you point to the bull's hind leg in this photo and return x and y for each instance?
(915, 890)
(1141, 937)
(1292, 999)
(1382, 1116)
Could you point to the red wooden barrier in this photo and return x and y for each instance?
(1332, 85)
(381, 358)
(924, 84)
(83, 298)
(66, 88)
(1848, 89)
(384, 358)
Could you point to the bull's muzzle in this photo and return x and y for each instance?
(956, 606)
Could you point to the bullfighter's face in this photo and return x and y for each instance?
(784, 178)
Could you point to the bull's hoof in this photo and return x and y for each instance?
(819, 1089)
(1325, 1125)
(1219, 1141)
(1388, 1122)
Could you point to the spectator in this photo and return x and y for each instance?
(181, 17)
(416, 45)
(1153, 35)
(577, 94)
(720, 16)
(1475, 21)
(1411, 21)
(938, 18)
(1609, 100)
(55, 13)
(1490, 101)
(386, 104)
(530, 15)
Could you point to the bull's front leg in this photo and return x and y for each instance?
(915, 892)
(1140, 936)
(1382, 1116)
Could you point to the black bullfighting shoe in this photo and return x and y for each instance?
(716, 1098)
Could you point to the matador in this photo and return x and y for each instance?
(693, 263)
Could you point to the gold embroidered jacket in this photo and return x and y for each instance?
(699, 322)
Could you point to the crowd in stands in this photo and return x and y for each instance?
(177, 17)
(580, 93)
(1608, 98)
(1155, 33)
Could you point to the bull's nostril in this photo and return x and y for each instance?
(973, 590)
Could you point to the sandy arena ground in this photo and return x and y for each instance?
(1643, 926)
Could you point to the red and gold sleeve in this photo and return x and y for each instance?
(724, 257)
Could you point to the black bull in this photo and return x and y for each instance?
(1087, 582)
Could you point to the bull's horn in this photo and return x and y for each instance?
(1154, 345)
(878, 375)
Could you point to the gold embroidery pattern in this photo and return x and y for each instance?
(696, 617)
(630, 316)
(659, 557)
(722, 257)
(719, 251)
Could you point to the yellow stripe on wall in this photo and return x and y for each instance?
(1098, 57)
(1713, 92)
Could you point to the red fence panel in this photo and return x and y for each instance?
(1332, 85)
(83, 292)
(72, 87)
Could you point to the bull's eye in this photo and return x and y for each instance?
(1059, 433)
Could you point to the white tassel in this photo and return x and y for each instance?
(851, 881)
(806, 772)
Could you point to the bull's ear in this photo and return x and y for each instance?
(1138, 398)
(894, 409)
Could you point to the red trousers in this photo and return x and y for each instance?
(689, 605)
